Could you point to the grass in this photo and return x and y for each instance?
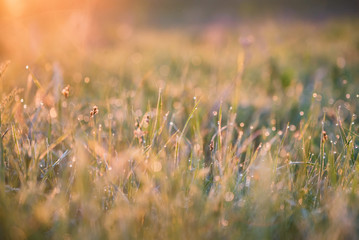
(196, 135)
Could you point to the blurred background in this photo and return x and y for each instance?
(35, 28)
(126, 40)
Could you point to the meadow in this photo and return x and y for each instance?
(214, 131)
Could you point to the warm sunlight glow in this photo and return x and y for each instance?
(15, 7)
(179, 119)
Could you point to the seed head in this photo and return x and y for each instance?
(94, 111)
(211, 146)
(66, 91)
(145, 121)
(138, 133)
(324, 136)
(137, 124)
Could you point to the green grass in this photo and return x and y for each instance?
(197, 137)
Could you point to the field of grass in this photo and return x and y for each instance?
(208, 132)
